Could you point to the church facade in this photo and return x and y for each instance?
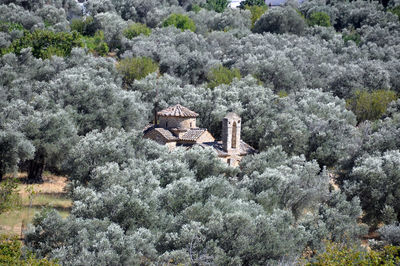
(176, 126)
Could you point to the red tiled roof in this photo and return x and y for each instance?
(193, 134)
(177, 111)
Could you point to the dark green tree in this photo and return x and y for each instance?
(245, 3)
(217, 5)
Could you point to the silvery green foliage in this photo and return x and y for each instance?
(95, 7)
(56, 17)
(390, 234)
(14, 148)
(280, 20)
(353, 14)
(276, 180)
(87, 87)
(383, 135)
(52, 132)
(17, 14)
(151, 12)
(112, 25)
(98, 148)
(375, 180)
(299, 122)
(77, 241)
(324, 224)
(235, 21)
(196, 215)
(183, 54)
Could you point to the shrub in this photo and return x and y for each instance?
(281, 20)
(396, 11)
(391, 234)
(9, 197)
(84, 26)
(45, 43)
(256, 12)
(182, 22)
(136, 29)
(222, 75)
(319, 19)
(217, 5)
(336, 254)
(96, 44)
(352, 36)
(136, 68)
(11, 254)
(370, 105)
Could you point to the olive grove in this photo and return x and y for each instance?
(316, 85)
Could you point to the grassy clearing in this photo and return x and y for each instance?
(50, 194)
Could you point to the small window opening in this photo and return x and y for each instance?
(166, 124)
(234, 135)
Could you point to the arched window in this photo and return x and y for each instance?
(234, 135)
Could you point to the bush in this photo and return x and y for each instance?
(336, 254)
(391, 234)
(370, 105)
(319, 19)
(11, 254)
(256, 12)
(9, 197)
(136, 29)
(96, 44)
(136, 68)
(222, 75)
(396, 11)
(84, 26)
(217, 5)
(182, 22)
(352, 36)
(45, 43)
(281, 20)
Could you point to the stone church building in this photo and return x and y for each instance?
(176, 126)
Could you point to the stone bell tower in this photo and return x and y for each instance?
(231, 125)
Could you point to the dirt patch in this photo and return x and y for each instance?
(50, 194)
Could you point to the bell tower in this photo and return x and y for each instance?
(231, 125)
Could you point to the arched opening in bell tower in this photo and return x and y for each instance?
(234, 129)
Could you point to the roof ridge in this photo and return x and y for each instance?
(177, 110)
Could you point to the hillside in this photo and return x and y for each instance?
(193, 133)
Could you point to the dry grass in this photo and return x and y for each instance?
(49, 194)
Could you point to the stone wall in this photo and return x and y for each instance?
(178, 122)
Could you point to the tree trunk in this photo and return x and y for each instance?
(35, 168)
(1, 171)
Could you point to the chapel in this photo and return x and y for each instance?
(176, 126)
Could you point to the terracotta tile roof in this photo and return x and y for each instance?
(165, 133)
(177, 111)
(193, 134)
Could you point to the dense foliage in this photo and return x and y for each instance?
(11, 254)
(352, 255)
(316, 86)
